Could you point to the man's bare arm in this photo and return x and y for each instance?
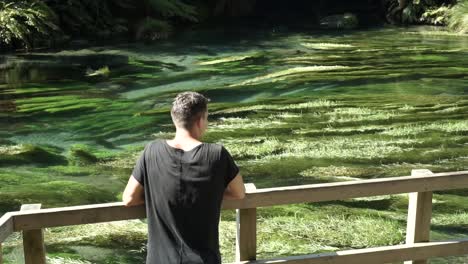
(133, 193)
(236, 189)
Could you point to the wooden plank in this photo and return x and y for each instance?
(6, 226)
(246, 239)
(76, 215)
(261, 197)
(33, 241)
(6, 229)
(419, 216)
(388, 254)
(351, 189)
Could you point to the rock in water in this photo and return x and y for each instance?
(345, 21)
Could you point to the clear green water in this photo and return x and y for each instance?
(292, 107)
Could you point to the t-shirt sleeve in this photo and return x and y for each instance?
(231, 168)
(140, 169)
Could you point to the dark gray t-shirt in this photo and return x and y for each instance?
(183, 195)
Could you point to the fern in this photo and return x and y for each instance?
(24, 21)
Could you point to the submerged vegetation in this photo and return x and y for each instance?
(345, 106)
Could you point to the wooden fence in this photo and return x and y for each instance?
(31, 220)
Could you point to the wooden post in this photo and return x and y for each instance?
(33, 241)
(246, 239)
(419, 216)
(1, 254)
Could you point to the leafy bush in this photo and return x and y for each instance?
(436, 15)
(23, 21)
(425, 11)
(458, 19)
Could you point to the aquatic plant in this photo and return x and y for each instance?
(354, 114)
(233, 123)
(55, 193)
(284, 115)
(327, 46)
(345, 148)
(331, 130)
(123, 161)
(225, 59)
(336, 228)
(320, 103)
(329, 148)
(25, 21)
(80, 154)
(62, 260)
(333, 173)
(280, 75)
(254, 148)
(29, 154)
(414, 129)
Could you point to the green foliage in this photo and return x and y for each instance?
(24, 21)
(88, 16)
(153, 29)
(433, 12)
(173, 8)
(156, 25)
(458, 20)
(414, 12)
(436, 15)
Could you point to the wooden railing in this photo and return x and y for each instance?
(31, 220)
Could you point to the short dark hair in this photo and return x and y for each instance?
(187, 108)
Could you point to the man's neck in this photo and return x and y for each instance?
(184, 139)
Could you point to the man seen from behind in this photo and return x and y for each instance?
(182, 183)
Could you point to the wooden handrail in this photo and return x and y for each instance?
(387, 254)
(350, 189)
(97, 213)
(76, 215)
(421, 181)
